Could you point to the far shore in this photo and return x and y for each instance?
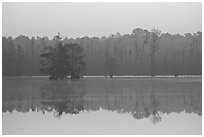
(115, 76)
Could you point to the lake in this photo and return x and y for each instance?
(143, 105)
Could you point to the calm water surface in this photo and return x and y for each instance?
(102, 106)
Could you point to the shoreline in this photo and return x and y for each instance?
(118, 76)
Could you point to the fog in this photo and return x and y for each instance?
(98, 19)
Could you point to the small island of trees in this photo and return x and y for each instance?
(62, 60)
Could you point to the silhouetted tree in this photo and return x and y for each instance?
(11, 58)
(110, 65)
(154, 39)
(76, 57)
(62, 60)
(20, 60)
(55, 62)
(32, 55)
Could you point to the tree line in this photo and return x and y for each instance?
(142, 52)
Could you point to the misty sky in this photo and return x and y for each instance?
(98, 19)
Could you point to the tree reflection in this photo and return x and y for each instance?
(141, 99)
(155, 107)
(151, 111)
(156, 118)
(63, 97)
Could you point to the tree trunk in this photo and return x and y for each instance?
(152, 65)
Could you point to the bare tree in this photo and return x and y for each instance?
(154, 38)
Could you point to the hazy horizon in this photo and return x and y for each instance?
(98, 19)
(142, 83)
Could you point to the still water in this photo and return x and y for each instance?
(102, 106)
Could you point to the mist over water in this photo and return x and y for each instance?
(153, 100)
(102, 68)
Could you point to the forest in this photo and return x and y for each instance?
(142, 52)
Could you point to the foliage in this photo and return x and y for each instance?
(60, 61)
(110, 64)
(141, 53)
(154, 39)
(76, 59)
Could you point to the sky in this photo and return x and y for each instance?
(98, 19)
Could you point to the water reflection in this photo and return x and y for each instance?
(63, 97)
(142, 98)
